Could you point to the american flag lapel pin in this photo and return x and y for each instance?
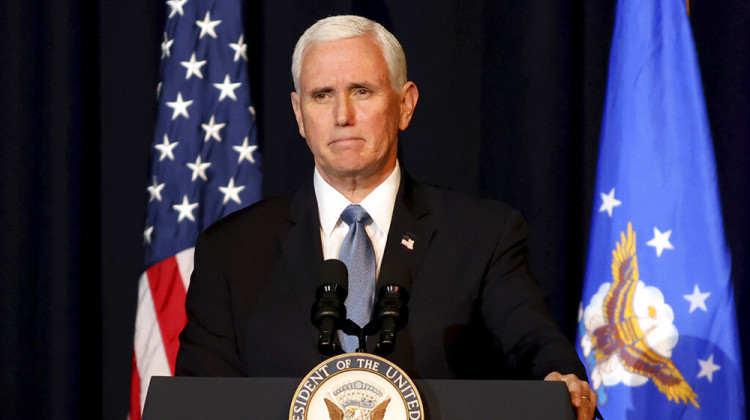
(408, 242)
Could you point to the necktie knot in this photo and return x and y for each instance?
(354, 213)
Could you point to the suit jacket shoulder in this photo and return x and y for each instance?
(263, 216)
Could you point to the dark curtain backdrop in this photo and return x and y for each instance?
(510, 108)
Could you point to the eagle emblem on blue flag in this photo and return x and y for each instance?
(629, 331)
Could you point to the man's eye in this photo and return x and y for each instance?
(363, 92)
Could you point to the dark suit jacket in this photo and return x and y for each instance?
(475, 309)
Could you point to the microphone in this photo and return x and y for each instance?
(391, 313)
(328, 312)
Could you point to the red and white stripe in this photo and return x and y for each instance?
(160, 318)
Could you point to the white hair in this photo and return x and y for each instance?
(334, 28)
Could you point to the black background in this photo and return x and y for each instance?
(510, 108)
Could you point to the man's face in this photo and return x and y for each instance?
(347, 110)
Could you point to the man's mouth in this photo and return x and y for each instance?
(345, 140)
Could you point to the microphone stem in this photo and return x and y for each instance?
(362, 341)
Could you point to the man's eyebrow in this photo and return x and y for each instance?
(324, 89)
(360, 85)
(352, 86)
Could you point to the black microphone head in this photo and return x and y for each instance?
(392, 312)
(328, 313)
(334, 277)
(399, 282)
(396, 270)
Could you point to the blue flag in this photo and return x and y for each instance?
(205, 165)
(657, 327)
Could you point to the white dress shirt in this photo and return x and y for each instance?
(378, 204)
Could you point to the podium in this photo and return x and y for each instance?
(269, 399)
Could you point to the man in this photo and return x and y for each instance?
(475, 309)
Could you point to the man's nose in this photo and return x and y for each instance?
(344, 111)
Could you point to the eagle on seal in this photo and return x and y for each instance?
(336, 413)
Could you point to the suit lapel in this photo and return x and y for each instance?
(300, 247)
(409, 235)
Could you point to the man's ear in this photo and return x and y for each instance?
(409, 98)
(298, 114)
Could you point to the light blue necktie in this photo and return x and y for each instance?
(358, 255)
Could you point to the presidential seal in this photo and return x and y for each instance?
(356, 386)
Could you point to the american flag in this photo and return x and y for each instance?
(204, 166)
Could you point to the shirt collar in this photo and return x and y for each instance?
(378, 204)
